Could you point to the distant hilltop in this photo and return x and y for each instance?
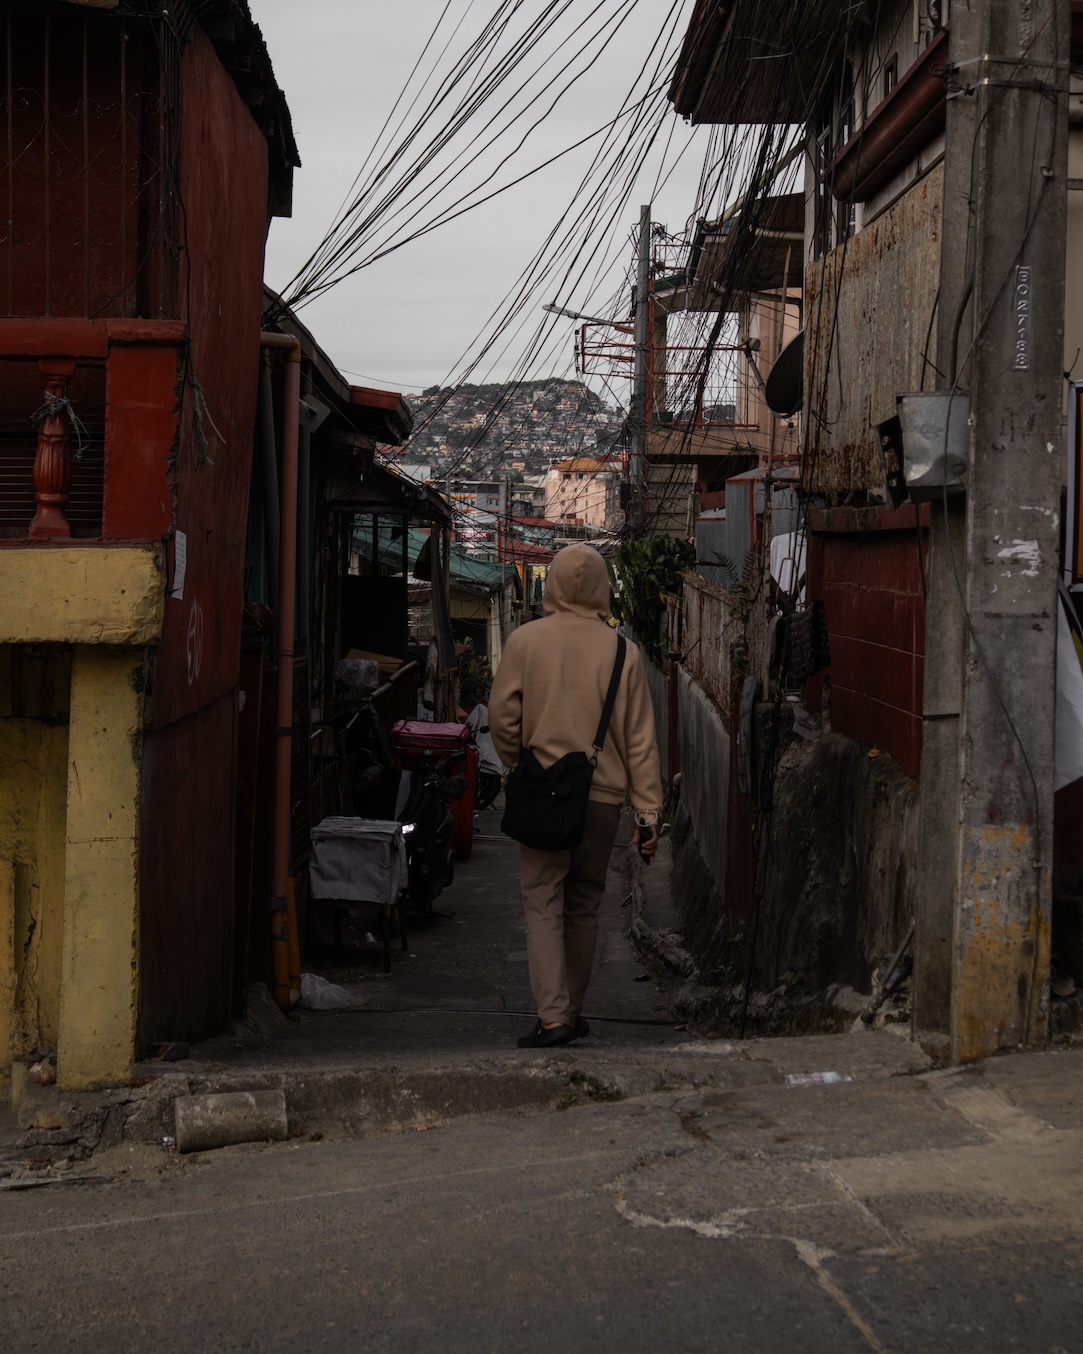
(518, 428)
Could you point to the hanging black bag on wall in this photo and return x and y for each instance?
(546, 807)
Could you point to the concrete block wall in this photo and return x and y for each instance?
(871, 586)
(841, 876)
(659, 689)
(705, 775)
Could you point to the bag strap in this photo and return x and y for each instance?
(610, 699)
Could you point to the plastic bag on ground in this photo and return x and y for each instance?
(317, 994)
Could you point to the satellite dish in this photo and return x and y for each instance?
(783, 391)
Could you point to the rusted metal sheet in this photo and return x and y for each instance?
(301, 768)
(93, 131)
(189, 809)
(224, 183)
(253, 664)
(122, 449)
(902, 125)
(870, 323)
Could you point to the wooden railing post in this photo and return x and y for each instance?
(52, 460)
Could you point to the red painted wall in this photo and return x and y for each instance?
(92, 237)
(871, 586)
(140, 433)
(189, 810)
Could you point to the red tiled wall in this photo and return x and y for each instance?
(871, 588)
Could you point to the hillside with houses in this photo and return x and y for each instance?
(518, 429)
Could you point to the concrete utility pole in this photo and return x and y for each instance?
(982, 962)
(638, 465)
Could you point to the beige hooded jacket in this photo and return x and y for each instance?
(550, 687)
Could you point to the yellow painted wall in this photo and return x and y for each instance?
(998, 989)
(71, 729)
(81, 595)
(34, 692)
(99, 992)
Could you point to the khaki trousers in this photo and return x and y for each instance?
(562, 893)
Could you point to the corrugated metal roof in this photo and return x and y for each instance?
(755, 60)
(477, 575)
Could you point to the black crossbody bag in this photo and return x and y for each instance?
(546, 807)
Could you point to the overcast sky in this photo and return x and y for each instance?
(409, 320)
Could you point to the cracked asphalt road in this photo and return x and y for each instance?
(929, 1212)
(711, 1208)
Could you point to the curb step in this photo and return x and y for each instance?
(71, 1126)
(354, 1102)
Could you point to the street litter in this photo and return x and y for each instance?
(42, 1072)
(317, 994)
(174, 1052)
(23, 1182)
(816, 1078)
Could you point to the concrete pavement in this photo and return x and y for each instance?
(647, 1189)
(922, 1212)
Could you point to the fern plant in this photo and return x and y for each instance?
(645, 570)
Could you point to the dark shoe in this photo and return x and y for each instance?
(582, 1029)
(540, 1037)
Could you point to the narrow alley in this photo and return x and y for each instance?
(457, 998)
(428, 419)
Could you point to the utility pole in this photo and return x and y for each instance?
(981, 970)
(637, 488)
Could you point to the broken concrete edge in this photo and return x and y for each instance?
(345, 1100)
(720, 1008)
(652, 943)
(663, 947)
(358, 1102)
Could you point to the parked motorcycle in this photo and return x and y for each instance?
(491, 771)
(432, 760)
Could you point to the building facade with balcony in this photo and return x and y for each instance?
(864, 230)
(145, 151)
(584, 492)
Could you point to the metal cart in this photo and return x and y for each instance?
(361, 860)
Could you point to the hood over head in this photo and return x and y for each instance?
(578, 583)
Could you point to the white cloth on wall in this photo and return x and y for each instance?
(788, 562)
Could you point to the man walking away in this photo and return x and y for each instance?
(548, 695)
